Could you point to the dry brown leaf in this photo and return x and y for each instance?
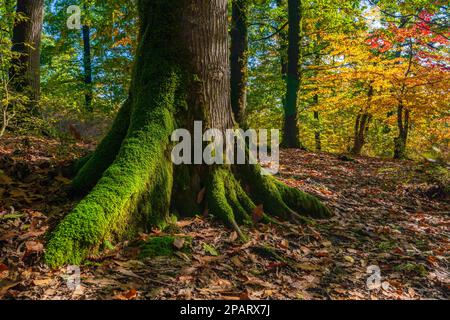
(5, 286)
(233, 236)
(34, 247)
(42, 282)
(258, 214)
(179, 243)
(3, 267)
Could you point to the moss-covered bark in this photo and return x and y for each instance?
(131, 169)
(90, 169)
(141, 170)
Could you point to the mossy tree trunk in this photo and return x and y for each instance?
(181, 75)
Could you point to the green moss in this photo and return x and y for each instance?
(303, 203)
(387, 245)
(162, 247)
(263, 191)
(109, 211)
(413, 268)
(216, 197)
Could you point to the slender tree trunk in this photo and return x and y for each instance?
(317, 131)
(87, 65)
(181, 75)
(239, 58)
(403, 114)
(362, 124)
(26, 39)
(282, 48)
(403, 131)
(290, 131)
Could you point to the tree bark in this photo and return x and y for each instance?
(26, 39)
(290, 132)
(87, 65)
(317, 138)
(239, 59)
(181, 74)
(403, 132)
(362, 121)
(362, 125)
(282, 44)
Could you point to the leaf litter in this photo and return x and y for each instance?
(384, 217)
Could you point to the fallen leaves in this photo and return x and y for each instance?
(128, 295)
(375, 223)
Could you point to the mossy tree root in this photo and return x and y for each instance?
(90, 169)
(141, 173)
(227, 200)
(131, 169)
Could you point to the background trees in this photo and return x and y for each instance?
(311, 76)
(353, 69)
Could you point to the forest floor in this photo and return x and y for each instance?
(387, 214)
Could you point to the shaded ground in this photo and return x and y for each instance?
(388, 214)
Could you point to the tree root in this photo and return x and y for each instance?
(90, 169)
(227, 200)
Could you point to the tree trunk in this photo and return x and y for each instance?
(282, 44)
(25, 73)
(317, 131)
(362, 120)
(282, 48)
(181, 74)
(239, 59)
(362, 125)
(87, 65)
(290, 132)
(403, 131)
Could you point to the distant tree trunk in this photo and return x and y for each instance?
(317, 137)
(239, 59)
(317, 130)
(181, 74)
(362, 125)
(282, 45)
(87, 65)
(403, 115)
(290, 130)
(401, 140)
(26, 40)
